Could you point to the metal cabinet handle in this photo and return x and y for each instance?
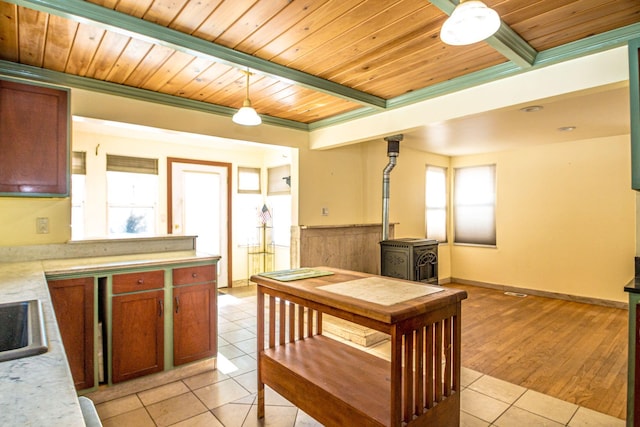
(194, 275)
(161, 306)
(177, 304)
(140, 281)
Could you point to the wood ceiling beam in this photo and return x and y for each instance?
(85, 12)
(506, 41)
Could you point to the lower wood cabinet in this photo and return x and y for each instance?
(73, 303)
(194, 323)
(132, 317)
(137, 335)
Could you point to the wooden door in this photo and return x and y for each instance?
(73, 305)
(137, 335)
(194, 323)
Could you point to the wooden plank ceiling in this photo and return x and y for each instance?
(378, 48)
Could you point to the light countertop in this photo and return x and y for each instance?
(39, 390)
(36, 390)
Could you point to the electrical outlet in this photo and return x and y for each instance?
(42, 225)
(325, 211)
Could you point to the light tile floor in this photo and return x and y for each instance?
(227, 396)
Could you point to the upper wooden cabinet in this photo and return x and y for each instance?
(34, 140)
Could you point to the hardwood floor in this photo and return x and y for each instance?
(573, 351)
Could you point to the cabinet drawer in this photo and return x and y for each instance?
(188, 275)
(141, 281)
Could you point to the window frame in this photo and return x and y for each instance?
(254, 171)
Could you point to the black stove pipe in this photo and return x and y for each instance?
(393, 151)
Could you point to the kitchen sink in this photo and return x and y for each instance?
(22, 331)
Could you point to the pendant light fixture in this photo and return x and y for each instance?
(471, 21)
(246, 115)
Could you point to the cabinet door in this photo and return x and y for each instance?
(137, 335)
(194, 323)
(33, 139)
(73, 304)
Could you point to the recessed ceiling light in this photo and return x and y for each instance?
(532, 109)
(567, 128)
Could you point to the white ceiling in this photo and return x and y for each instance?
(594, 113)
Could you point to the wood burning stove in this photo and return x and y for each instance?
(411, 259)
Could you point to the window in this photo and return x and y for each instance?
(247, 206)
(279, 201)
(249, 180)
(279, 180)
(436, 203)
(474, 218)
(132, 195)
(78, 193)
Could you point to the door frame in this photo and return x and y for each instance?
(170, 162)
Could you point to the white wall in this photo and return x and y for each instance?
(98, 145)
(566, 220)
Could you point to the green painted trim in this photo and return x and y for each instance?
(83, 11)
(447, 6)
(27, 72)
(463, 82)
(107, 352)
(513, 47)
(634, 99)
(341, 118)
(168, 319)
(589, 45)
(96, 342)
(634, 300)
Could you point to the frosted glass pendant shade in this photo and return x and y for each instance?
(246, 115)
(471, 21)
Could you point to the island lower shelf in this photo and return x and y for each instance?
(339, 384)
(321, 368)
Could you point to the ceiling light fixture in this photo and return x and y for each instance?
(471, 21)
(246, 115)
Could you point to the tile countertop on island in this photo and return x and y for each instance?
(39, 390)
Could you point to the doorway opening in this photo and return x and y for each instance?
(199, 204)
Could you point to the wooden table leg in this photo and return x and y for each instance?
(260, 318)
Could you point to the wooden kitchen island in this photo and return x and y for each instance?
(341, 385)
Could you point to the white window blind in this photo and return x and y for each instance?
(79, 162)
(132, 164)
(436, 203)
(474, 205)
